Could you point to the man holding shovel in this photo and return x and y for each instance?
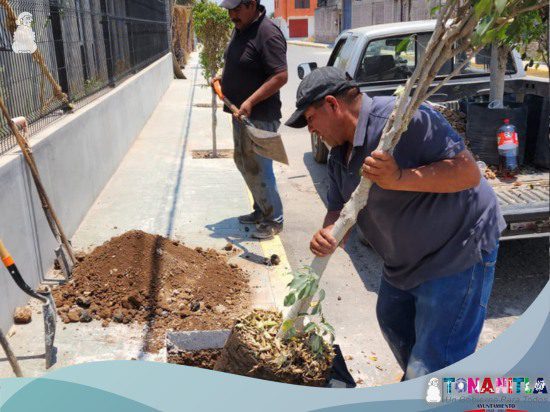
(255, 69)
(431, 217)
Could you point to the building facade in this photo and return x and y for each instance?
(296, 18)
(334, 16)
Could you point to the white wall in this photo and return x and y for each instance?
(76, 156)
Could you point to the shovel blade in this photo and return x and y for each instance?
(50, 320)
(267, 144)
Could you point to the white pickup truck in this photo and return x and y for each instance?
(373, 57)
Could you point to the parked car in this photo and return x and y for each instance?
(382, 57)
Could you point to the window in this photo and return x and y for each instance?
(342, 53)
(480, 63)
(384, 59)
(394, 58)
(301, 4)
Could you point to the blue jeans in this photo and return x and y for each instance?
(438, 322)
(257, 171)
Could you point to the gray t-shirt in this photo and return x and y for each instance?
(420, 236)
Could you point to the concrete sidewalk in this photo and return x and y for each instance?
(161, 189)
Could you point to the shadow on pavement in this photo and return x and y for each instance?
(521, 273)
(233, 232)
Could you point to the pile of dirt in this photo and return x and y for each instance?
(139, 277)
(205, 359)
(456, 118)
(253, 350)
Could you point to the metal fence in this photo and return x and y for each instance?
(87, 46)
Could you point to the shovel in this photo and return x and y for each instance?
(264, 143)
(48, 307)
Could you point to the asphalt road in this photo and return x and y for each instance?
(353, 276)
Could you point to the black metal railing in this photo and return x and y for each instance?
(87, 46)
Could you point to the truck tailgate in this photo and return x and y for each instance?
(525, 204)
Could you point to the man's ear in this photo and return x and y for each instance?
(332, 102)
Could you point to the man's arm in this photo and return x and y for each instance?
(268, 89)
(445, 176)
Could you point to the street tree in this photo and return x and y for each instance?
(213, 28)
(519, 31)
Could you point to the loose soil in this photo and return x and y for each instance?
(207, 154)
(253, 350)
(456, 118)
(205, 358)
(145, 278)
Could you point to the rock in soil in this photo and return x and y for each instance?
(205, 358)
(275, 259)
(74, 314)
(83, 302)
(22, 315)
(85, 316)
(253, 350)
(132, 278)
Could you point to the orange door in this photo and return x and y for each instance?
(298, 27)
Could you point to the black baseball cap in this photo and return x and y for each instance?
(231, 4)
(319, 83)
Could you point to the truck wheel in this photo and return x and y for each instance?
(318, 148)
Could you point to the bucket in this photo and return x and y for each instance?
(483, 123)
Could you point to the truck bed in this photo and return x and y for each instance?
(525, 204)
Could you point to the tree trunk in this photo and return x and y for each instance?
(499, 57)
(214, 123)
(177, 69)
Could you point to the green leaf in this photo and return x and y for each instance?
(315, 309)
(434, 10)
(322, 295)
(297, 283)
(328, 327)
(291, 333)
(500, 5)
(287, 324)
(309, 327)
(402, 46)
(316, 343)
(313, 290)
(290, 299)
(482, 8)
(302, 292)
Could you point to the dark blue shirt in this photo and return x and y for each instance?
(420, 236)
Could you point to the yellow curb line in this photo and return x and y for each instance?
(308, 44)
(279, 275)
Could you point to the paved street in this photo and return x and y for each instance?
(353, 276)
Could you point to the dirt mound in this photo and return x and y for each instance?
(456, 118)
(139, 277)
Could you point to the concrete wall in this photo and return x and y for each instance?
(76, 156)
(327, 24)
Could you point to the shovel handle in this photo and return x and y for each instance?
(14, 272)
(5, 255)
(218, 90)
